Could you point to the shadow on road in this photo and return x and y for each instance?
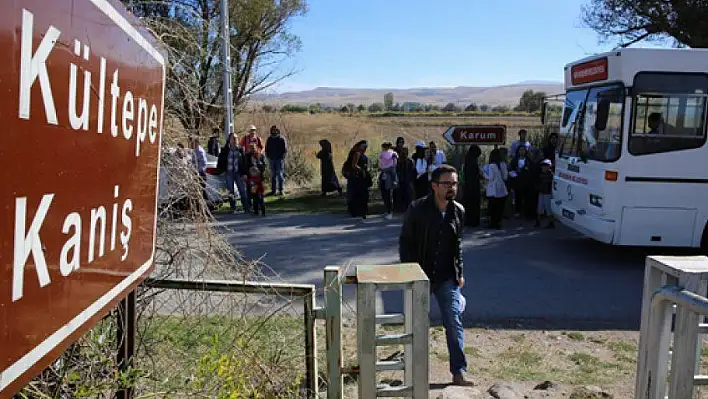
(519, 277)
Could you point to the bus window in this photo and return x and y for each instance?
(572, 108)
(602, 145)
(669, 114)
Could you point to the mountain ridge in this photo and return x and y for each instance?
(460, 95)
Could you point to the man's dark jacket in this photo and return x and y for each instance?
(422, 221)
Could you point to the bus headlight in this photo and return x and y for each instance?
(596, 200)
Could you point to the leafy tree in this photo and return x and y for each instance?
(449, 107)
(484, 108)
(530, 101)
(388, 101)
(631, 21)
(376, 107)
(191, 32)
(361, 107)
(472, 108)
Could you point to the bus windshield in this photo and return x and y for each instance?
(579, 135)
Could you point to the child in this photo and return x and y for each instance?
(256, 189)
(388, 159)
(545, 193)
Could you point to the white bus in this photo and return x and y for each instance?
(631, 165)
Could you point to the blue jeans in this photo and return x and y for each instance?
(276, 174)
(447, 294)
(234, 178)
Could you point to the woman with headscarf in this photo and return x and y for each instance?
(471, 193)
(329, 176)
(421, 159)
(359, 180)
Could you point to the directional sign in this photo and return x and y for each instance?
(476, 134)
(81, 112)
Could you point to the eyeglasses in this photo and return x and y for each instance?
(447, 183)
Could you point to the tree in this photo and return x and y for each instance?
(472, 108)
(388, 101)
(360, 107)
(484, 107)
(449, 107)
(191, 32)
(376, 107)
(530, 101)
(632, 21)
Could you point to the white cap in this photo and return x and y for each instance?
(547, 162)
(420, 143)
(252, 127)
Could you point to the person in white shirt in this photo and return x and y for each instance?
(495, 172)
(438, 156)
(521, 141)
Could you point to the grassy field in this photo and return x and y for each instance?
(304, 131)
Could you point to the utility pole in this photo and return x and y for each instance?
(226, 64)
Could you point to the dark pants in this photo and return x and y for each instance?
(258, 203)
(495, 209)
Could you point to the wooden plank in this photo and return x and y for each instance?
(390, 365)
(395, 392)
(391, 319)
(654, 338)
(333, 332)
(394, 339)
(310, 347)
(421, 330)
(683, 363)
(408, 355)
(366, 342)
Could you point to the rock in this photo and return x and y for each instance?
(590, 392)
(506, 390)
(545, 386)
(456, 392)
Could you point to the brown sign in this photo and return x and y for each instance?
(588, 72)
(81, 112)
(476, 134)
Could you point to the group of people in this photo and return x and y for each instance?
(401, 178)
(522, 181)
(243, 163)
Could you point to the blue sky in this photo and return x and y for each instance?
(443, 43)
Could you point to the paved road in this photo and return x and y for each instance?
(519, 276)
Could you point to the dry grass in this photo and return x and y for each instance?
(602, 358)
(304, 131)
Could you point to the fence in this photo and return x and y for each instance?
(670, 282)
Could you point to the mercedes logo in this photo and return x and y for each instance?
(569, 191)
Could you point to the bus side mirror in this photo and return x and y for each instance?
(603, 112)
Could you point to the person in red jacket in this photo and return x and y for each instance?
(251, 138)
(256, 189)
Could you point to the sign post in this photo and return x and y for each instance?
(476, 134)
(82, 113)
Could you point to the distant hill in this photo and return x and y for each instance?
(461, 95)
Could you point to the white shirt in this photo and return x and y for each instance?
(495, 180)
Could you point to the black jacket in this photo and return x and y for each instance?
(222, 162)
(276, 147)
(422, 219)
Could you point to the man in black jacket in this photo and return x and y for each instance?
(431, 236)
(275, 149)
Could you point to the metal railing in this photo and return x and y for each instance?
(304, 291)
(670, 282)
